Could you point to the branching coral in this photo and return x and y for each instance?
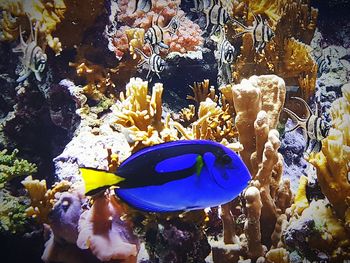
(332, 163)
(99, 84)
(283, 50)
(141, 115)
(12, 213)
(46, 15)
(12, 208)
(42, 199)
(11, 166)
(103, 230)
(187, 38)
(211, 119)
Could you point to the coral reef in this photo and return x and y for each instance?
(175, 241)
(13, 206)
(293, 35)
(42, 199)
(140, 115)
(187, 38)
(103, 230)
(11, 167)
(46, 15)
(332, 162)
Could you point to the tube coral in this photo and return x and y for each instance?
(252, 226)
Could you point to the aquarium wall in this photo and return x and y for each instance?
(174, 131)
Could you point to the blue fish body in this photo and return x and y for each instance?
(182, 176)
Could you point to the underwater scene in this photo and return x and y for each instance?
(156, 131)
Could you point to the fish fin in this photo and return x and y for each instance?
(199, 164)
(140, 52)
(24, 76)
(98, 179)
(37, 76)
(163, 45)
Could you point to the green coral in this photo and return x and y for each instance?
(13, 218)
(11, 167)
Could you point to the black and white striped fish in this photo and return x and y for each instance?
(143, 5)
(216, 15)
(226, 51)
(34, 59)
(154, 36)
(155, 62)
(314, 127)
(261, 32)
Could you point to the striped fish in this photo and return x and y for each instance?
(143, 5)
(314, 127)
(216, 15)
(226, 51)
(155, 62)
(34, 59)
(261, 32)
(154, 36)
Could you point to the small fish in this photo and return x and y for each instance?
(260, 31)
(216, 15)
(143, 5)
(226, 51)
(314, 127)
(175, 176)
(34, 58)
(154, 36)
(155, 62)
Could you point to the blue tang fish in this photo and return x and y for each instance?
(175, 176)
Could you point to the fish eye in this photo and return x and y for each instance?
(225, 159)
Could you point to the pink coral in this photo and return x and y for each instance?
(187, 38)
(105, 233)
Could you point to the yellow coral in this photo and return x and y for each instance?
(42, 200)
(332, 163)
(141, 115)
(136, 39)
(46, 15)
(300, 199)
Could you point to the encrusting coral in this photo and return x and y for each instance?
(332, 163)
(187, 38)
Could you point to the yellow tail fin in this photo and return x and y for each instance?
(98, 179)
